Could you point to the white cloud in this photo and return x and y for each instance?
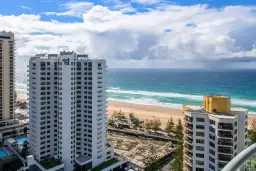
(25, 7)
(146, 1)
(75, 9)
(121, 6)
(140, 40)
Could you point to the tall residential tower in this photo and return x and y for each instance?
(214, 133)
(6, 75)
(67, 109)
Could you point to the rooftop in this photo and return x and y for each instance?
(219, 96)
(224, 116)
(200, 110)
(106, 164)
(238, 109)
(55, 56)
(81, 160)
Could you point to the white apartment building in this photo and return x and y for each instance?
(67, 109)
(6, 75)
(214, 134)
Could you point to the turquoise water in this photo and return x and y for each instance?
(21, 140)
(2, 153)
(174, 88)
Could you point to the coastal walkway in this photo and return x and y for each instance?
(143, 135)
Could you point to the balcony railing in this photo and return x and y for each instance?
(189, 161)
(244, 158)
(227, 150)
(221, 165)
(189, 119)
(226, 142)
(225, 126)
(188, 168)
(225, 134)
(223, 157)
(189, 147)
(189, 140)
(189, 126)
(189, 154)
(189, 133)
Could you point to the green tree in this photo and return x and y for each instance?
(156, 123)
(252, 131)
(148, 124)
(111, 122)
(135, 121)
(177, 164)
(169, 126)
(179, 130)
(150, 158)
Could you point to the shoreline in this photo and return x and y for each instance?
(142, 111)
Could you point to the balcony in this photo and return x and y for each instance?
(188, 167)
(221, 165)
(225, 134)
(224, 157)
(245, 159)
(227, 126)
(188, 119)
(189, 132)
(189, 161)
(189, 154)
(189, 147)
(225, 142)
(189, 140)
(189, 126)
(227, 150)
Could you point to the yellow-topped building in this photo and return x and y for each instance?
(217, 104)
(214, 133)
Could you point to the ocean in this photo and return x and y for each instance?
(175, 87)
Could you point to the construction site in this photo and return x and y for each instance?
(136, 149)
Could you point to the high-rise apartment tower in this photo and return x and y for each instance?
(67, 109)
(6, 75)
(214, 134)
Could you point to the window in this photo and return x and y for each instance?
(199, 119)
(212, 152)
(212, 144)
(199, 155)
(200, 141)
(200, 127)
(201, 134)
(212, 137)
(212, 167)
(199, 148)
(199, 163)
(212, 129)
(212, 159)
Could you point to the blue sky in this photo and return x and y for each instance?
(137, 33)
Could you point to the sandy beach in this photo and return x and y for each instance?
(143, 112)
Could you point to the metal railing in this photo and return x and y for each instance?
(241, 158)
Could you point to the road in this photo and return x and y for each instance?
(144, 135)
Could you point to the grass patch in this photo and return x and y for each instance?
(105, 164)
(50, 163)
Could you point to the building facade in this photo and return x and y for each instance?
(6, 75)
(67, 109)
(214, 134)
